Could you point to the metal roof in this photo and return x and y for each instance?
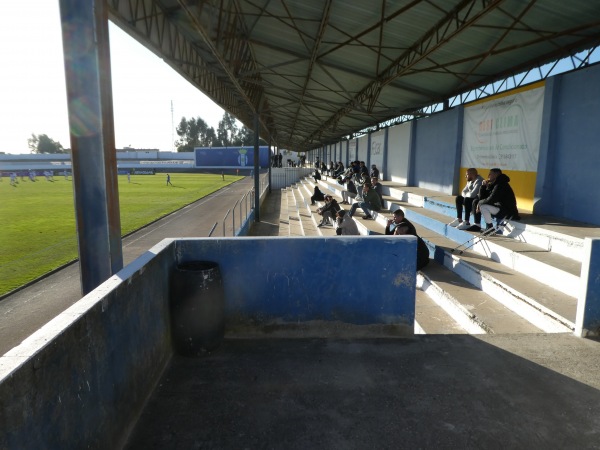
(319, 70)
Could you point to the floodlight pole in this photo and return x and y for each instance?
(93, 155)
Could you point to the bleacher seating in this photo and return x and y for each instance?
(525, 281)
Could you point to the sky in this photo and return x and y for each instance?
(33, 92)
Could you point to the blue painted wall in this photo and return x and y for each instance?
(569, 158)
(574, 151)
(303, 279)
(435, 152)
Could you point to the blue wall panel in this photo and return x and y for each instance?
(576, 148)
(302, 279)
(435, 153)
(230, 156)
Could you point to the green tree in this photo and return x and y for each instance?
(43, 144)
(194, 133)
(227, 131)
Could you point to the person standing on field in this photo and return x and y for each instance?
(169, 180)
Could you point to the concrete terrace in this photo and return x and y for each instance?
(526, 281)
(484, 375)
(478, 373)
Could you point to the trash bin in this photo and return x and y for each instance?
(197, 304)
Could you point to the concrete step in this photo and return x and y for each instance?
(284, 218)
(498, 267)
(295, 222)
(472, 309)
(555, 235)
(306, 190)
(548, 309)
(309, 225)
(550, 268)
(431, 318)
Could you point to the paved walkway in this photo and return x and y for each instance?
(426, 392)
(25, 311)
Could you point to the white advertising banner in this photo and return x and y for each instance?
(504, 132)
(377, 143)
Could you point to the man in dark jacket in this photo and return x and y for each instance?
(422, 249)
(496, 198)
(397, 220)
(369, 203)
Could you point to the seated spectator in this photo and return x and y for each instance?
(350, 191)
(317, 196)
(331, 168)
(316, 176)
(376, 185)
(345, 225)
(359, 181)
(468, 195)
(328, 211)
(345, 174)
(422, 249)
(370, 202)
(397, 220)
(339, 169)
(496, 198)
(363, 170)
(374, 171)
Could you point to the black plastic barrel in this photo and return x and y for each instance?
(197, 307)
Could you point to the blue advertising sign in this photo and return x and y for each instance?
(230, 156)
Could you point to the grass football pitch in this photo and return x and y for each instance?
(38, 218)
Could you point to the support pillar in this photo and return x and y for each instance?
(256, 169)
(587, 322)
(93, 155)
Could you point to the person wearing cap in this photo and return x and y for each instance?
(374, 171)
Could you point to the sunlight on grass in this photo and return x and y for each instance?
(39, 233)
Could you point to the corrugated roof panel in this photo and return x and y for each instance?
(319, 82)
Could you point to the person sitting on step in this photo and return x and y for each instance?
(468, 195)
(377, 187)
(397, 220)
(345, 225)
(370, 202)
(318, 196)
(496, 198)
(422, 249)
(350, 191)
(328, 211)
(317, 175)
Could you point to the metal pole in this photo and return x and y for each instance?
(256, 171)
(270, 165)
(233, 216)
(224, 219)
(89, 95)
(213, 229)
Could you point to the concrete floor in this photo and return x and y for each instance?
(459, 392)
